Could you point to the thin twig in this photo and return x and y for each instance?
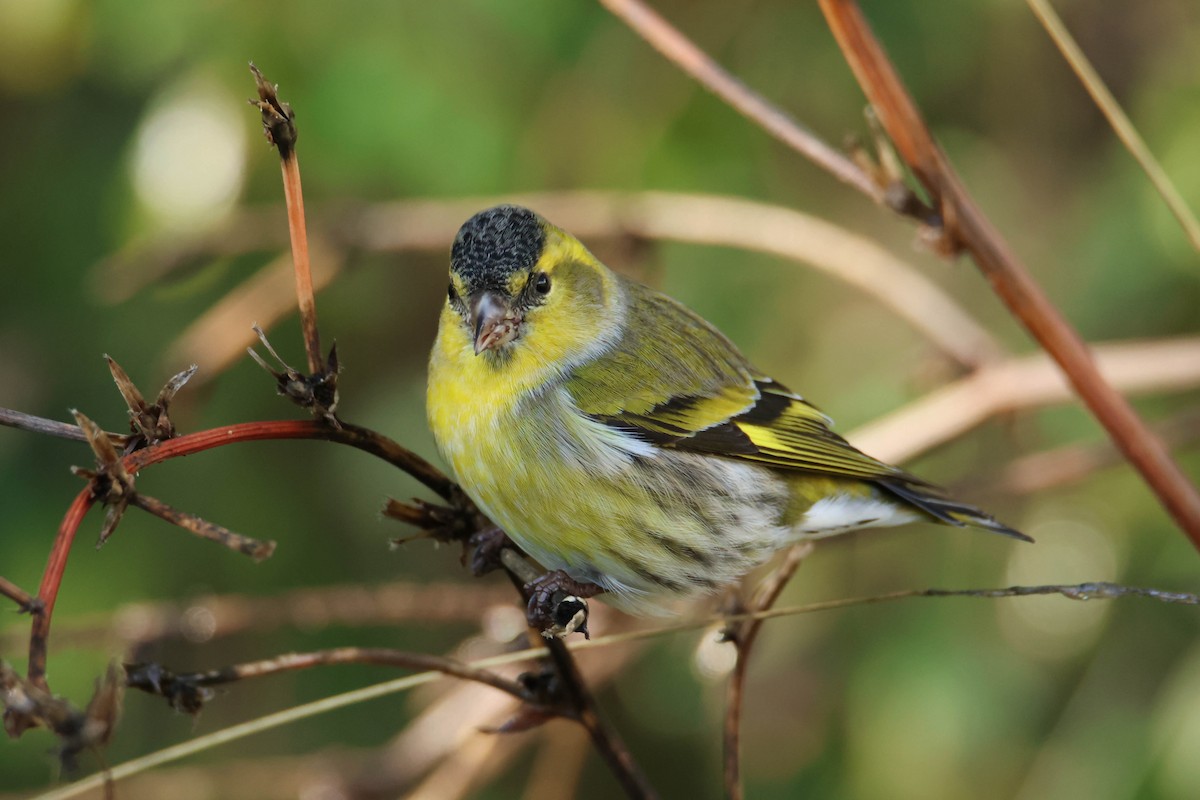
(605, 739)
(678, 49)
(258, 550)
(27, 602)
(156, 680)
(1112, 111)
(743, 636)
(967, 227)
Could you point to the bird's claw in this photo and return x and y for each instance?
(558, 604)
(485, 548)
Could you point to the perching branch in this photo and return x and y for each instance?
(360, 438)
(1079, 592)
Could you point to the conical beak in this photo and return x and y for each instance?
(493, 321)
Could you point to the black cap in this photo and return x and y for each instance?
(494, 244)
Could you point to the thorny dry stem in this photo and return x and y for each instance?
(247, 546)
(188, 444)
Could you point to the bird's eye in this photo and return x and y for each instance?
(541, 283)
(450, 293)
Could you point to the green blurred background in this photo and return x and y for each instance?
(125, 122)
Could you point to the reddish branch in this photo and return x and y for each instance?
(965, 227)
(354, 436)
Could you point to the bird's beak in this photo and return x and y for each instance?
(493, 320)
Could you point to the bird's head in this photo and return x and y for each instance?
(519, 286)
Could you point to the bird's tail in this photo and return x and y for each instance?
(930, 500)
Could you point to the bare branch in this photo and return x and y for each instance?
(187, 691)
(966, 227)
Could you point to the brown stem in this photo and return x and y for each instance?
(22, 598)
(743, 635)
(967, 227)
(341, 655)
(605, 739)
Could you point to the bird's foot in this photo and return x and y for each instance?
(487, 544)
(558, 604)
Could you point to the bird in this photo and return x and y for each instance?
(622, 440)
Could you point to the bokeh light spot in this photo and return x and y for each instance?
(189, 157)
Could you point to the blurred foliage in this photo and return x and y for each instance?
(119, 120)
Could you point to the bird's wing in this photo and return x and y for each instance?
(675, 381)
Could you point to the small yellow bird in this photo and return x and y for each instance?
(621, 439)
